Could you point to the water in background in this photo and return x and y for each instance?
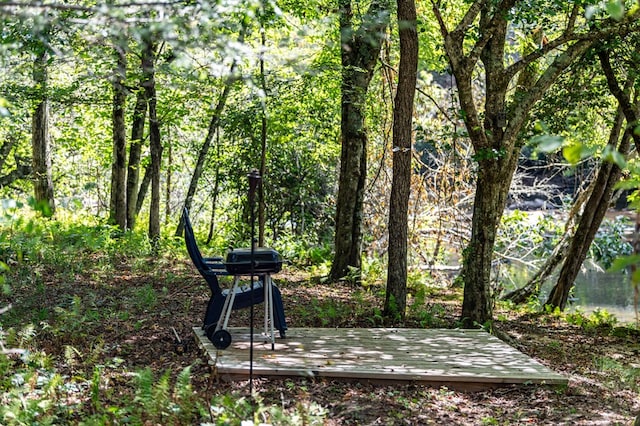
(612, 291)
(594, 289)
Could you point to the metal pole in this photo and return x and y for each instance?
(254, 181)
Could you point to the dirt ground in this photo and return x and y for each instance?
(151, 315)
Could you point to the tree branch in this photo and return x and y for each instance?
(623, 99)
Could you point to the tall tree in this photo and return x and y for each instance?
(155, 143)
(117, 205)
(396, 295)
(206, 146)
(496, 111)
(135, 151)
(608, 175)
(263, 140)
(360, 48)
(40, 138)
(211, 132)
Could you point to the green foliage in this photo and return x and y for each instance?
(76, 319)
(145, 298)
(234, 409)
(428, 315)
(523, 234)
(572, 151)
(610, 243)
(489, 154)
(330, 312)
(4, 107)
(598, 319)
(302, 251)
(72, 243)
(614, 8)
(32, 395)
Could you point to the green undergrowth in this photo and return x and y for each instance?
(76, 296)
(90, 323)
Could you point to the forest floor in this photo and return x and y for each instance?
(127, 320)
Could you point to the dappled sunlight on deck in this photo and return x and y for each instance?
(468, 358)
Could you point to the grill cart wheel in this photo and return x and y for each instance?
(221, 339)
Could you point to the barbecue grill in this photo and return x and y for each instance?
(223, 301)
(265, 261)
(260, 262)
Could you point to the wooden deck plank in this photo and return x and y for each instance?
(430, 356)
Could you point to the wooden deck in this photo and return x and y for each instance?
(465, 359)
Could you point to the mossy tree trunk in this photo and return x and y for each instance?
(40, 138)
(117, 205)
(360, 48)
(494, 114)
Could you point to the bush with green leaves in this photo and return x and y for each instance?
(610, 242)
(533, 235)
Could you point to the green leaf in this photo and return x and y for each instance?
(636, 131)
(612, 155)
(615, 8)
(628, 184)
(621, 263)
(539, 127)
(547, 143)
(575, 152)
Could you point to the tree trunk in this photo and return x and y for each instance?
(155, 142)
(168, 187)
(360, 49)
(144, 189)
(40, 139)
(263, 147)
(608, 175)
(216, 185)
(492, 187)
(117, 206)
(396, 294)
(135, 154)
(494, 130)
(532, 287)
(156, 162)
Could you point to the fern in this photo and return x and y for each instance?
(161, 396)
(185, 398)
(183, 390)
(95, 389)
(144, 389)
